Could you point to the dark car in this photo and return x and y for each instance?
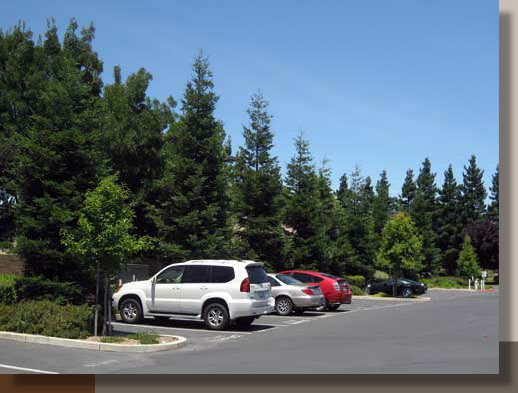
(404, 287)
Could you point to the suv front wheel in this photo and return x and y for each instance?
(131, 311)
(216, 316)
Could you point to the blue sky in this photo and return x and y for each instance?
(376, 83)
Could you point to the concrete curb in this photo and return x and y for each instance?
(456, 289)
(393, 299)
(96, 346)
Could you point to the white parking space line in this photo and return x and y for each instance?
(32, 370)
(188, 329)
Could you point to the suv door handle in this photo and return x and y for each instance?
(204, 288)
(175, 288)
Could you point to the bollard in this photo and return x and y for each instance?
(469, 283)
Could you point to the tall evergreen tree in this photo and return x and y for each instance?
(132, 138)
(57, 156)
(357, 204)
(408, 191)
(424, 214)
(473, 193)
(303, 210)
(449, 236)
(382, 203)
(494, 207)
(258, 197)
(192, 197)
(21, 79)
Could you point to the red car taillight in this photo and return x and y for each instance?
(245, 285)
(336, 286)
(308, 291)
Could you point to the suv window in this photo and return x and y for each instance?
(196, 274)
(273, 282)
(256, 274)
(173, 275)
(222, 274)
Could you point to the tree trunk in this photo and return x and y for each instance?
(105, 310)
(96, 317)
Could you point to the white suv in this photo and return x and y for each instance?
(217, 291)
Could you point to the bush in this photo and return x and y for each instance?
(357, 281)
(39, 288)
(380, 276)
(48, 319)
(445, 282)
(7, 289)
(356, 291)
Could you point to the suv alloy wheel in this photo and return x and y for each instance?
(131, 311)
(216, 316)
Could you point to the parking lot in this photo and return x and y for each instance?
(454, 332)
(199, 336)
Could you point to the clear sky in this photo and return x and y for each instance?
(378, 83)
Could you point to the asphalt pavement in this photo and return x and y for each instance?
(454, 333)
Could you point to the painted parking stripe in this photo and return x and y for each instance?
(173, 328)
(32, 370)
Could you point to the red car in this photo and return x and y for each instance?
(335, 289)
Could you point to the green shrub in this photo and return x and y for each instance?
(445, 282)
(39, 288)
(356, 291)
(7, 294)
(357, 281)
(380, 276)
(7, 288)
(48, 319)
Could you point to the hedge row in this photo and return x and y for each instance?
(47, 318)
(15, 289)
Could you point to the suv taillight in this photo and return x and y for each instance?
(336, 286)
(308, 291)
(245, 285)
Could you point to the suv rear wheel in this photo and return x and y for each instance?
(131, 310)
(216, 316)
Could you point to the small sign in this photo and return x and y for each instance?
(484, 274)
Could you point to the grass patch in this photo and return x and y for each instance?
(146, 338)
(113, 339)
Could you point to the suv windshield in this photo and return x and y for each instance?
(257, 274)
(287, 279)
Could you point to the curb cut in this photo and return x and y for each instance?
(96, 346)
(394, 299)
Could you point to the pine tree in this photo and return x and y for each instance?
(424, 213)
(473, 192)
(303, 210)
(192, 199)
(467, 265)
(57, 157)
(258, 196)
(408, 191)
(449, 236)
(132, 138)
(357, 204)
(382, 204)
(21, 80)
(493, 209)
